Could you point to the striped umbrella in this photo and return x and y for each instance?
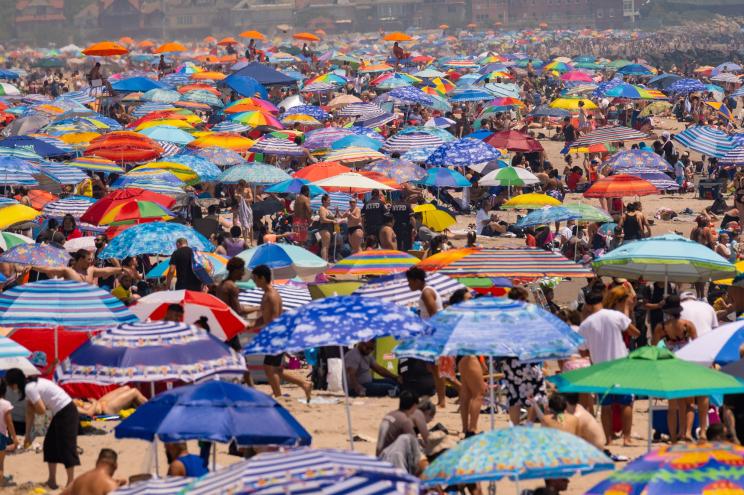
(354, 154)
(463, 152)
(401, 143)
(62, 174)
(706, 140)
(527, 263)
(96, 164)
(221, 157)
(637, 159)
(230, 126)
(619, 186)
(150, 352)
(373, 262)
(376, 120)
(318, 87)
(153, 238)
(293, 296)
(394, 288)
(73, 205)
(338, 200)
(357, 109)
(154, 185)
(325, 137)
(276, 146)
(660, 180)
(734, 157)
(254, 173)
(146, 108)
(65, 303)
(29, 254)
(609, 134)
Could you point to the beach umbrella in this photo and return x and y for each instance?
(663, 81)
(285, 260)
(74, 205)
(153, 238)
(373, 262)
(222, 320)
(171, 47)
(150, 352)
(9, 240)
(434, 218)
(135, 211)
(524, 263)
(229, 141)
(36, 145)
(168, 133)
(667, 257)
(293, 186)
(572, 104)
(305, 37)
(122, 196)
(685, 86)
(277, 146)
(325, 137)
(547, 216)
(397, 36)
(61, 303)
(618, 186)
(444, 177)
(514, 141)
(31, 254)
(517, 453)
(124, 147)
(637, 159)
(588, 213)
(649, 371)
(105, 49)
(609, 134)
(530, 201)
(509, 176)
(734, 157)
(720, 347)
(162, 269)
(354, 155)
(706, 140)
(408, 95)
(293, 296)
(204, 168)
(401, 143)
(399, 170)
(356, 141)
(219, 156)
(463, 152)
(469, 94)
(7, 89)
(394, 288)
(682, 468)
(338, 200)
(96, 164)
(350, 182)
(254, 173)
(635, 70)
(659, 180)
(214, 411)
(16, 213)
(311, 110)
(359, 108)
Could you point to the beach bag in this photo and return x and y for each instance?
(203, 268)
(335, 375)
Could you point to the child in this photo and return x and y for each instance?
(8, 439)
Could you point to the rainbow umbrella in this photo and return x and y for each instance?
(218, 262)
(256, 118)
(183, 172)
(135, 211)
(373, 262)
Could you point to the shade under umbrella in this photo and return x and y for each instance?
(285, 260)
(610, 134)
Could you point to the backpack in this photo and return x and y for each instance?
(203, 268)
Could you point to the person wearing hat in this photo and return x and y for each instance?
(676, 332)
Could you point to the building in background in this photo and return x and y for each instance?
(34, 17)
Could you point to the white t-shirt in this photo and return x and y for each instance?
(566, 233)
(51, 394)
(5, 406)
(603, 332)
(482, 218)
(701, 314)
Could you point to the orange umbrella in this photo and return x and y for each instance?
(444, 258)
(124, 147)
(472, 25)
(105, 49)
(210, 76)
(321, 170)
(126, 40)
(227, 41)
(619, 186)
(397, 36)
(172, 47)
(199, 87)
(228, 58)
(255, 35)
(384, 179)
(227, 140)
(210, 39)
(208, 59)
(145, 44)
(443, 26)
(39, 197)
(305, 37)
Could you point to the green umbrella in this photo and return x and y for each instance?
(650, 371)
(588, 212)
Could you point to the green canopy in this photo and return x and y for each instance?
(649, 371)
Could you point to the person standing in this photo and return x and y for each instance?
(301, 216)
(271, 309)
(60, 441)
(700, 313)
(354, 226)
(402, 212)
(182, 266)
(373, 214)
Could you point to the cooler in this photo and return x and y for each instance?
(709, 189)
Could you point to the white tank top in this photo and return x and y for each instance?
(422, 307)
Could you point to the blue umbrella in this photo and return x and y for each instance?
(311, 110)
(38, 146)
(547, 111)
(154, 238)
(222, 157)
(36, 255)
(203, 96)
(168, 133)
(726, 67)
(285, 259)
(136, 84)
(494, 327)
(150, 352)
(660, 180)
(685, 86)
(148, 175)
(254, 173)
(408, 95)
(707, 140)
(470, 94)
(358, 141)
(336, 321)
(244, 85)
(146, 108)
(444, 177)
(293, 186)
(663, 81)
(204, 168)
(635, 70)
(547, 216)
(442, 134)
(463, 152)
(419, 155)
(229, 126)
(637, 159)
(216, 411)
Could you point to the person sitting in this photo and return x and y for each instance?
(123, 291)
(360, 363)
(396, 439)
(182, 463)
(99, 480)
(110, 404)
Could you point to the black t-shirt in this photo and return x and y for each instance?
(570, 133)
(416, 376)
(185, 279)
(401, 212)
(373, 214)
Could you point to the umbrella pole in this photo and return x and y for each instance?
(155, 453)
(491, 392)
(214, 456)
(345, 383)
(650, 424)
(56, 346)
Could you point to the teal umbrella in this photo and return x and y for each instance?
(168, 134)
(588, 213)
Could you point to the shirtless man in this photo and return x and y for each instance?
(81, 269)
(388, 239)
(271, 308)
(228, 290)
(301, 216)
(99, 480)
(556, 416)
(589, 428)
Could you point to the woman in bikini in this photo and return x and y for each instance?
(111, 403)
(739, 194)
(354, 224)
(676, 333)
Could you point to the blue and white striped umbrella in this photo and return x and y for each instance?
(156, 486)
(203, 96)
(230, 126)
(338, 200)
(394, 288)
(318, 87)
(7, 201)
(169, 149)
(16, 178)
(402, 143)
(337, 321)
(63, 174)
(153, 185)
(356, 109)
(150, 352)
(311, 110)
(65, 303)
(463, 152)
(145, 175)
(175, 79)
(720, 347)
(153, 238)
(11, 349)
(503, 90)
(74, 205)
(254, 173)
(146, 108)
(706, 140)
(168, 134)
(159, 95)
(82, 96)
(277, 146)
(734, 157)
(293, 296)
(372, 121)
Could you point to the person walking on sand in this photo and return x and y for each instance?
(271, 309)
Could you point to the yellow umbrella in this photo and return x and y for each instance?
(78, 138)
(730, 281)
(572, 103)
(181, 124)
(13, 214)
(433, 218)
(233, 142)
(530, 201)
(183, 172)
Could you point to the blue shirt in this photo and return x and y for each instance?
(194, 465)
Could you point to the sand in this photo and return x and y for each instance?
(326, 422)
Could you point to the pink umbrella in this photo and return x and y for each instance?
(576, 76)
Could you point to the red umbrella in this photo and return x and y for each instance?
(619, 186)
(321, 170)
(124, 147)
(121, 196)
(223, 322)
(514, 141)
